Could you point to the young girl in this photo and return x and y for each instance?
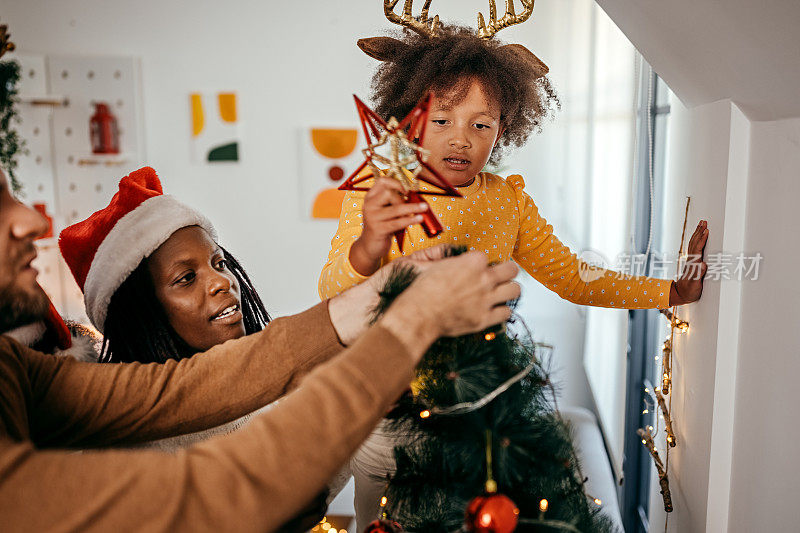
(486, 97)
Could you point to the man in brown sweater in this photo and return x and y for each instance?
(252, 480)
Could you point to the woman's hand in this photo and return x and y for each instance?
(351, 311)
(689, 286)
(384, 213)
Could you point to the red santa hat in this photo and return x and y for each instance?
(104, 249)
(51, 328)
(55, 324)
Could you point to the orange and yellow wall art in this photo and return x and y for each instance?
(328, 156)
(215, 127)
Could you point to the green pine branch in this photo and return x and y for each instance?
(11, 144)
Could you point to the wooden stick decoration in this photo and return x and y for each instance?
(666, 366)
(662, 403)
(663, 479)
(682, 325)
(661, 393)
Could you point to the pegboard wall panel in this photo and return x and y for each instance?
(36, 167)
(86, 183)
(36, 172)
(60, 170)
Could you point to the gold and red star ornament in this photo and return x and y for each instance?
(404, 141)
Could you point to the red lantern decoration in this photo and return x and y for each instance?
(492, 513)
(103, 130)
(384, 526)
(42, 210)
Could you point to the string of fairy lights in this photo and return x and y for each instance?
(324, 526)
(659, 398)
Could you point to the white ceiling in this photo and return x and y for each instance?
(708, 50)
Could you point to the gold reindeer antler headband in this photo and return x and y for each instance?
(509, 19)
(5, 44)
(421, 24)
(386, 48)
(430, 27)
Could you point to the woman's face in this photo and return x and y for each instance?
(200, 296)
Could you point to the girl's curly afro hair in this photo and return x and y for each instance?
(448, 63)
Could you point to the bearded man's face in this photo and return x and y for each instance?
(22, 300)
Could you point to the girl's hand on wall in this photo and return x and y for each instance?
(689, 286)
(384, 213)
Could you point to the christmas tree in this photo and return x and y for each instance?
(481, 445)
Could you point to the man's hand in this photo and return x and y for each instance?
(384, 213)
(689, 286)
(451, 297)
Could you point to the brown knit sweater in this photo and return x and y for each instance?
(252, 480)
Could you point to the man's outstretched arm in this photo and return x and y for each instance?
(87, 404)
(251, 480)
(255, 479)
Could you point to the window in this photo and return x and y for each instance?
(645, 328)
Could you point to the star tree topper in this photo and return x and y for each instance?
(393, 134)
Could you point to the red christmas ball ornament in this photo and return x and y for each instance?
(492, 513)
(384, 526)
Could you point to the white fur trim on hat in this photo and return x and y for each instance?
(134, 237)
(29, 334)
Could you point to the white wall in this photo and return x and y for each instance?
(765, 467)
(734, 468)
(697, 165)
(728, 332)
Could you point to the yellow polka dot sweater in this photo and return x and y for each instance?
(497, 217)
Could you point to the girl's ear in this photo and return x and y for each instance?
(523, 53)
(381, 48)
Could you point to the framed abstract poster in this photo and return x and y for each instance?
(328, 155)
(215, 127)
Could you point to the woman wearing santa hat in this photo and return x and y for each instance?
(159, 287)
(154, 279)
